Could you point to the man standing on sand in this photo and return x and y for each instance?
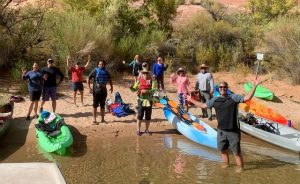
(49, 91)
(205, 85)
(229, 134)
(101, 78)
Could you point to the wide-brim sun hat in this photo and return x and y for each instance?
(144, 71)
(203, 66)
(50, 60)
(180, 70)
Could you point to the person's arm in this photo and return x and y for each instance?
(131, 63)
(24, 73)
(197, 103)
(154, 86)
(165, 67)
(154, 70)
(91, 75)
(110, 83)
(68, 62)
(188, 84)
(251, 93)
(88, 61)
(173, 78)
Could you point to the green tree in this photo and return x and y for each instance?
(265, 10)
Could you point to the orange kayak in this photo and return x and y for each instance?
(259, 109)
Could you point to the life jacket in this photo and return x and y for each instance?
(145, 84)
(101, 75)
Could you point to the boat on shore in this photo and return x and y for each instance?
(6, 113)
(260, 91)
(270, 131)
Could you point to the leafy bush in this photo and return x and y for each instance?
(282, 41)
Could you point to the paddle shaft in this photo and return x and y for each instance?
(256, 73)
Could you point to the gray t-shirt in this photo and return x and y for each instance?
(235, 97)
(205, 82)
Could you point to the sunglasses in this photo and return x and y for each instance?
(222, 87)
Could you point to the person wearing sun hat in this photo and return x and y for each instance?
(183, 86)
(145, 88)
(205, 85)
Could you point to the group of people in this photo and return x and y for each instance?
(44, 82)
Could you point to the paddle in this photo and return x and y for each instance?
(181, 114)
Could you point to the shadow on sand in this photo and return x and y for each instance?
(14, 138)
(79, 147)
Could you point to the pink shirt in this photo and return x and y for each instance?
(77, 74)
(182, 83)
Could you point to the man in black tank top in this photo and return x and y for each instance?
(229, 136)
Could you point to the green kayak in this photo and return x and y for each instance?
(260, 91)
(53, 143)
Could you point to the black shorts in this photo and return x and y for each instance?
(99, 97)
(77, 86)
(35, 95)
(229, 139)
(147, 111)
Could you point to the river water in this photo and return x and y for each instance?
(160, 158)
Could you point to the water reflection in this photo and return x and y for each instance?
(189, 148)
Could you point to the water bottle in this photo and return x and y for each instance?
(289, 123)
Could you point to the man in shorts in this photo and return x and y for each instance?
(35, 86)
(229, 134)
(50, 73)
(101, 77)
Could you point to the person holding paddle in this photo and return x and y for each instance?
(228, 130)
(145, 88)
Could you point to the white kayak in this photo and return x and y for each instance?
(33, 173)
(272, 132)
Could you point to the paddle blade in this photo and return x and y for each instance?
(159, 105)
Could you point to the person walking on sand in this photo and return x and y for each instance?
(228, 130)
(205, 85)
(50, 73)
(35, 86)
(77, 77)
(100, 78)
(158, 72)
(183, 84)
(136, 66)
(145, 88)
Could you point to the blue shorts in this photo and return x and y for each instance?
(49, 92)
(77, 86)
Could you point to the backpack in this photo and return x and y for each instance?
(101, 76)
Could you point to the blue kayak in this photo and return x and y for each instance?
(206, 136)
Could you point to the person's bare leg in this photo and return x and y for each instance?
(74, 97)
(42, 105)
(30, 109)
(36, 104)
(225, 158)
(239, 162)
(138, 125)
(147, 125)
(54, 105)
(102, 114)
(81, 97)
(95, 114)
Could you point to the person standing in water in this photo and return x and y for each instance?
(158, 72)
(228, 130)
(101, 77)
(50, 73)
(35, 86)
(77, 77)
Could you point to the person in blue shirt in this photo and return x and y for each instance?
(158, 72)
(228, 130)
(35, 86)
(100, 77)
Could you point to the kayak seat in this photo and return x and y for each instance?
(266, 127)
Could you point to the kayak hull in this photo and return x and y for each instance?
(207, 138)
(6, 112)
(260, 92)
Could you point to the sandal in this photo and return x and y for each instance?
(138, 133)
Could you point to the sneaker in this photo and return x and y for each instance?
(138, 133)
(28, 118)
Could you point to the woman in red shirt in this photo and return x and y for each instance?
(77, 77)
